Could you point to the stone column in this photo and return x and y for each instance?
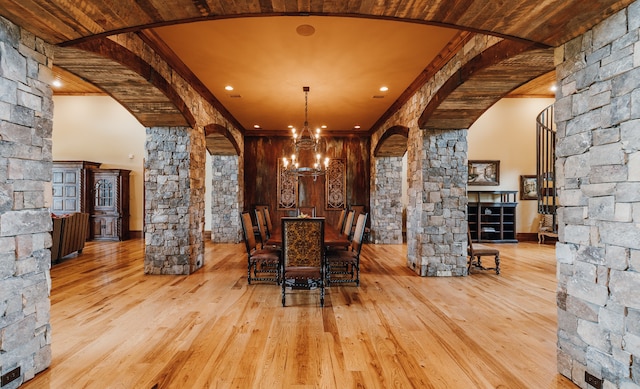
(225, 200)
(26, 112)
(598, 177)
(386, 201)
(174, 200)
(437, 211)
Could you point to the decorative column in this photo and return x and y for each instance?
(437, 211)
(225, 200)
(386, 201)
(598, 177)
(174, 200)
(26, 112)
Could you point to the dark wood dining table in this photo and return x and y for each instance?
(332, 237)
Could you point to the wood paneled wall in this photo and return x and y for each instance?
(261, 167)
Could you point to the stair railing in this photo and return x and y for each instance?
(545, 163)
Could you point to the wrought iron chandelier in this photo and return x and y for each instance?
(306, 158)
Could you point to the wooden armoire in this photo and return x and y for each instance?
(82, 186)
(109, 218)
(70, 183)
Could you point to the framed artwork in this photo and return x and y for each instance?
(484, 173)
(528, 187)
(287, 189)
(335, 184)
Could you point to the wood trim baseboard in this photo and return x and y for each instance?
(527, 237)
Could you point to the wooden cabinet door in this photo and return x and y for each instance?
(66, 191)
(105, 227)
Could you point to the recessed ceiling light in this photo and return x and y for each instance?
(357, 126)
(323, 126)
(384, 88)
(228, 87)
(553, 88)
(56, 83)
(256, 126)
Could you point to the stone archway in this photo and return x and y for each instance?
(227, 181)
(387, 222)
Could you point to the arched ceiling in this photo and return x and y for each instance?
(482, 82)
(344, 60)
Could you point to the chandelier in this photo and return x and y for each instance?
(306, 158)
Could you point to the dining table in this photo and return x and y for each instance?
(332, 237)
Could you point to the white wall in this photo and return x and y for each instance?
(507, 132)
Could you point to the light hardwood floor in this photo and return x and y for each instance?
(114, 327)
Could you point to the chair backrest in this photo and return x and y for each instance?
(247, 229)
(303, 242)
(262, 225)
(548, 222)
(348, 223)
(267, 218)
(469, 243)
(310, 211)
(356, 242)
(358, 209)
(340, 223)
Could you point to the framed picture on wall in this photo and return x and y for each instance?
(484, 173)
(528, 187)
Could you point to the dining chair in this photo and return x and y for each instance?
(347, 262)
(359, 209)
(340, 223)
(302, 255)
(476, 254)
(260, 261)
(310, 211)
(348, 223)
(267, 219)
(262, 225)
(255, 225)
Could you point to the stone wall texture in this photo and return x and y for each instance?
(598, 171)
(427, 254)
(174, 200)
(386, 201)
(226, 199)
(26, 113)
(437, 211)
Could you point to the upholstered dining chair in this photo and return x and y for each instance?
(309, 211)
(347, 262)
(358, 209)
(340, 223)
(476, 254)
(264, 263)
(267, 219)
(302, 255)
(262, 227)
(348, 223)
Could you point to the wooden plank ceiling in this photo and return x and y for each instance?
(548, 22)
(72, 24)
